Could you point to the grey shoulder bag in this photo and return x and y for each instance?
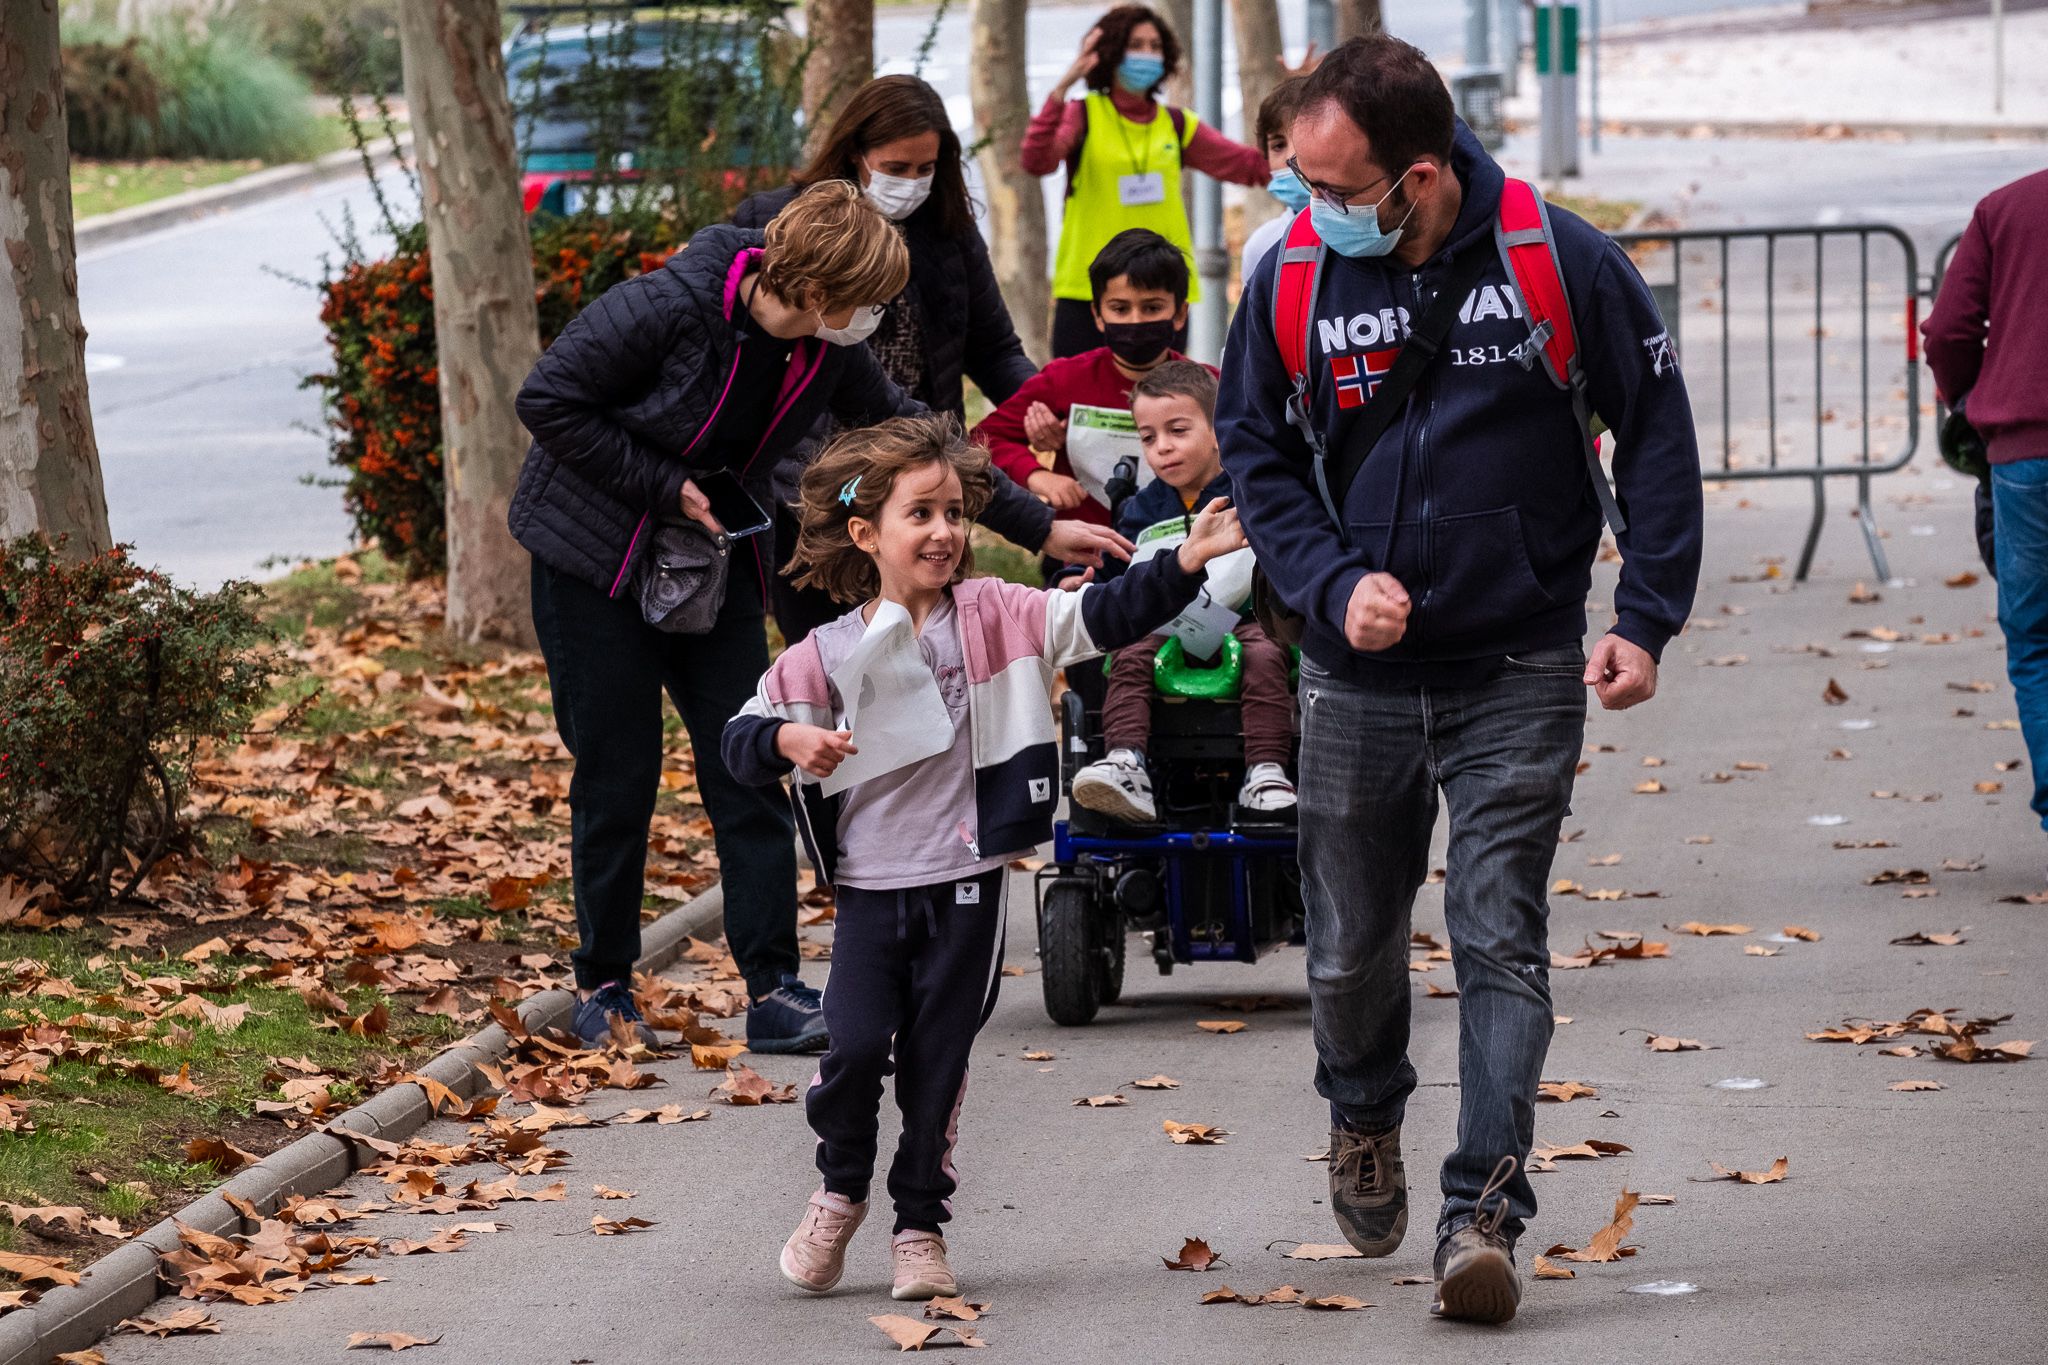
(680, 580)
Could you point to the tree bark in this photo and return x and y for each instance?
(49, 461)
(485, 328)
(1016, 200)
(1357, 18)
(1180, 17)
(842, 37)
(1259, 50)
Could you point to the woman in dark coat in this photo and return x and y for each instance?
(721, 361)
(894, 140)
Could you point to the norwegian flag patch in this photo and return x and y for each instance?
(1358, 376)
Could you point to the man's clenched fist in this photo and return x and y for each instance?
(1377, 615)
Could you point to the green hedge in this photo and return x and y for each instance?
(180, 94)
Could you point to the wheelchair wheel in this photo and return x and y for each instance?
(1070, 966)
(1110, 970)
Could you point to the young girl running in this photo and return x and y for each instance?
(918, 853)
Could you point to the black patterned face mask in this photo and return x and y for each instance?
(1138, 344)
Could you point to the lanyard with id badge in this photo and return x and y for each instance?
(1145, 186)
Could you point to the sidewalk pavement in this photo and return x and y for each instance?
(1926, 78)
(1903, 1231)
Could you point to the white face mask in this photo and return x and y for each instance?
(897, 197)
(859, 329)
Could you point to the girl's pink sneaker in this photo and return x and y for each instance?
(814, 1257)
(921, 1269)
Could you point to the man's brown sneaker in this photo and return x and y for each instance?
(1475, 1266)
(1369, 1188)
(1475, 1277)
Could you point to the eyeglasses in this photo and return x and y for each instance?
(1338, 203)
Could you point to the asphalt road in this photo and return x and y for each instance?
(1904, 1230)
(198, 344)
(197, 348)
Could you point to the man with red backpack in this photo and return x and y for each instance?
(1408, 417)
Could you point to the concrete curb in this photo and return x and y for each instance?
(124, 1281)
(105, 228)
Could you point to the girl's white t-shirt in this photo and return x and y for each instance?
(910, 827)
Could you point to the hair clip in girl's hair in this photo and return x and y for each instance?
(848, 489)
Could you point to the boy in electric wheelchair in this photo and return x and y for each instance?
(1173, 408)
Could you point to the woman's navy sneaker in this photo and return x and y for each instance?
(592, 1020)
(790, 1018)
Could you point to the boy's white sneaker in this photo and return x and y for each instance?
(814, 1257)
(1117, 786)
(1266, 789)
(921, 1269)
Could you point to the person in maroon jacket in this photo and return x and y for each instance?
(1987, 343)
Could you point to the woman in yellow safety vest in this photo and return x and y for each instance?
(1123, 159)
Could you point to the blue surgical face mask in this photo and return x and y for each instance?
(1286, 186)
(1358, 233)
(1138, 72)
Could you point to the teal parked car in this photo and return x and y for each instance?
(708, 86)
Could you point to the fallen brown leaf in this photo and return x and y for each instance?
(1606, 1244)
(1220, 1025)
(1804, 935)
(1772, 1176)
(1100, 1102)
(1156, 1083)
(743, 1086)
(1916, 1085)
(1324, 1251)
(1693, 926)
(1833, 694)
(1921, 938)
(389, 1341)
(668, 1113)
(37, 1269)
(955, 1309)
(186, 1320)
(1195, 1254)
(1563, 1092)
(617, 1227)
(911, 1335)
(1338, 1303)
(1547, 1269)
(1194, 1134)
(607, 1192)
(1663, 1043)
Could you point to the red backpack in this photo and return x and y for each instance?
(1522, 235)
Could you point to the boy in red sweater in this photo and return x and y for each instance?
(1140, 283)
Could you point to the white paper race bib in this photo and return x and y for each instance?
(1135, 191)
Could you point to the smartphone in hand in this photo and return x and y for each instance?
(732, 504)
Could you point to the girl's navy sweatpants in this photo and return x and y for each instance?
(914, 977)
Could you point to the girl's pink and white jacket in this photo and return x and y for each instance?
(1013, 638)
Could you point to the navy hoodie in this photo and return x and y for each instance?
(1477, 497)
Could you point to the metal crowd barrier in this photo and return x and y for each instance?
(1801, 351)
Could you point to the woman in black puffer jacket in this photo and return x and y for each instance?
(894, 139)
(724, 359)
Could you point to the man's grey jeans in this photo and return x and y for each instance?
(1373, 760)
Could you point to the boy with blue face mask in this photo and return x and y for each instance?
(1275, 123)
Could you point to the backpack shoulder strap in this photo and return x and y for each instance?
(1294, 307)
(1180, 131)
(1528, 250)
(1294, 293)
